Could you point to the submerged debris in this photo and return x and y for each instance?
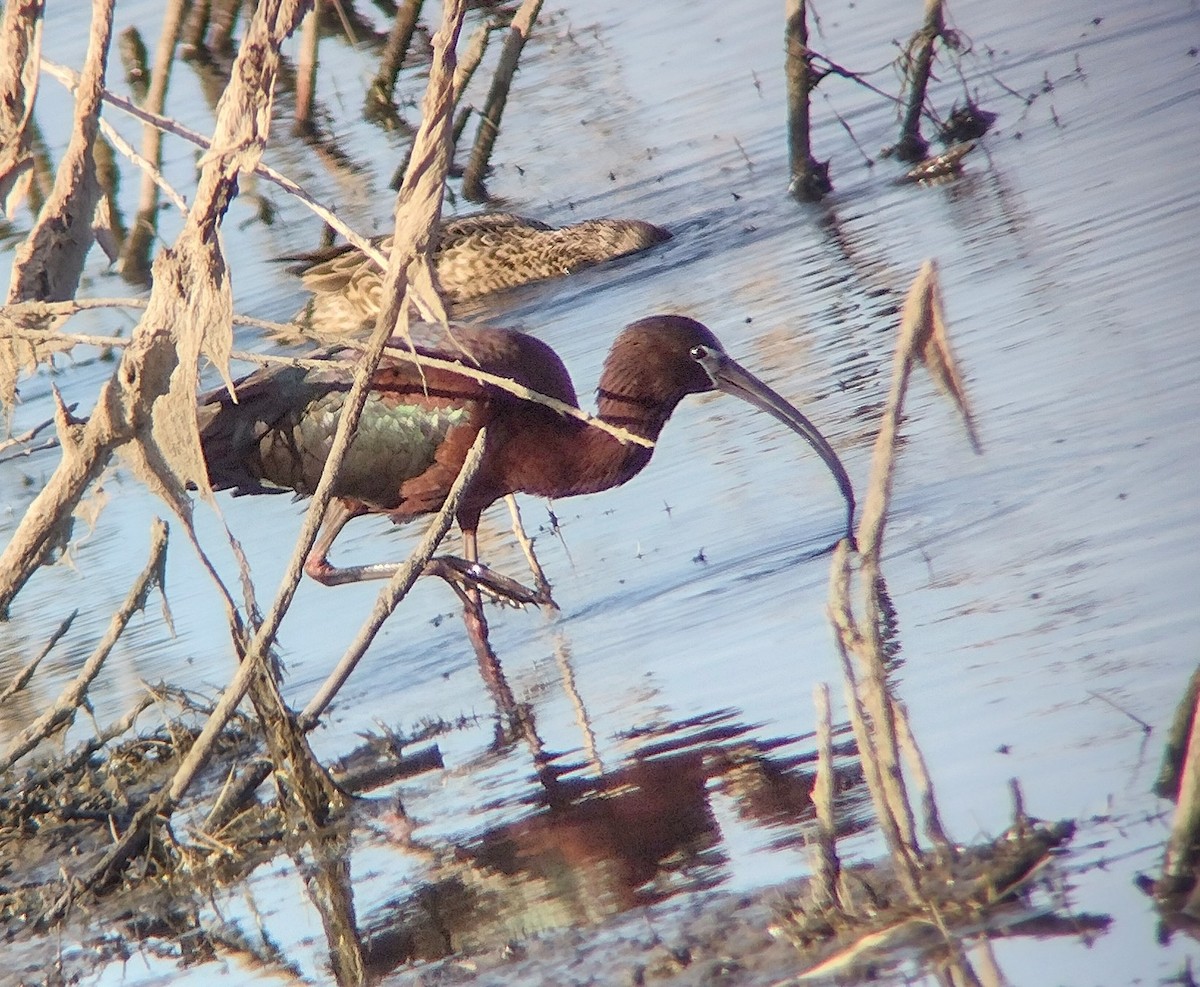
(940, 167)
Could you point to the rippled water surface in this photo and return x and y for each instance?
(1046, 590)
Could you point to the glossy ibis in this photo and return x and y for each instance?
(414, 433)
(474, 256)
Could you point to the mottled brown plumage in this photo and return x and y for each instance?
(474, 256)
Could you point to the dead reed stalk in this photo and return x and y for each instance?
(417, 211)
(381, 94)
(400, 583)
(880, 723)
(1182, 854)
(828, 866)
(147, 409)
(134, 262)
(21, 679)
(306, 71)
(49, 261)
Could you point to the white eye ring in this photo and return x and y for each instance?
(699, 352)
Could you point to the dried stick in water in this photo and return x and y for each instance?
(912, 146)
(810, 178)
(381, 94)
(306, 72)
(134, 263)
(493, 109)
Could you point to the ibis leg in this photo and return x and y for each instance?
(457, 572)
(317, 564)
(477, 631)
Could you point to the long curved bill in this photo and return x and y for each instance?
(732, 378)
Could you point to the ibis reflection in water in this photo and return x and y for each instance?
(419, 424)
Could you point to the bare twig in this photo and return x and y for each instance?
(21, 679)
(471, 57)
(467, 65)
(189, 310)
(29, 434)
(924, 784)
(395, 50)
(923, 338)
(539, 577)
(154, 179)
(1166, 785)
(134, 263)
(912, 146)
(1146, 727)
(194, 30)
(465, 370)
(870, 732)
(68, 78)
(306, 71)
(20, 53)
(147, 409)
(138, 830)
(879, 721)
(810, 178)
(1182, 850)
(63, 711)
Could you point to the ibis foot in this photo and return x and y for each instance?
(501, 589)
(461, 574)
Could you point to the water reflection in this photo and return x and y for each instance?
(589, 847)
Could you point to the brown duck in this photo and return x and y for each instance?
(475, 256)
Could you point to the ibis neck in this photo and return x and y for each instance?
(564, 460)
(644, 416)
(604, 461)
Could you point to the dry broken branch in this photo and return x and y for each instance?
(400, 583)
(809, 177)
(138, 830)
(21, 679)
(68, 78)
(135, 252)
(912, 146)
(828, 867)
(263, 359)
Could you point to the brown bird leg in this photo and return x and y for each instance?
(317, 565)
(477, 630)
(457, 572)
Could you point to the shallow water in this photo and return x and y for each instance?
(1046, 590)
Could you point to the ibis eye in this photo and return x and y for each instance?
(699, 352)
